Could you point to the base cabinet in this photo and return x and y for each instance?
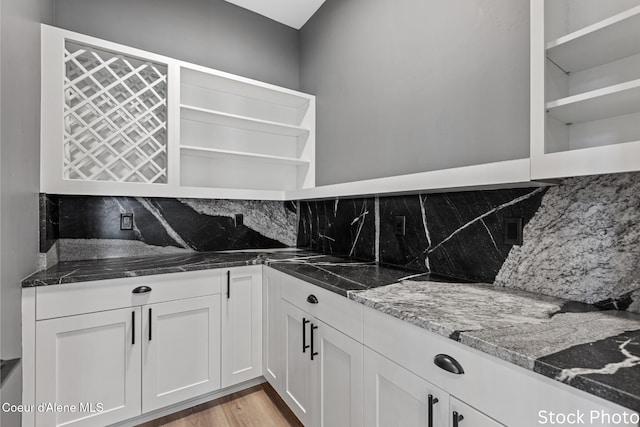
(241, 307)
(338, 382)
(322, 371)
(181, 350)
(395, 396)
(297, 363)
(272, 339)
(108, 351)
(89, 363)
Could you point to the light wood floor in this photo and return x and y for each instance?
(258, 406)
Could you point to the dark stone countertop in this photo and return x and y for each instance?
(336, 274)
(592, 350)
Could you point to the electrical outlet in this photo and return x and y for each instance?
(400, 225)
(126, 221)
(512, 231)
(238, 220)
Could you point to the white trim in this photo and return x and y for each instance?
(28, 354)
(506, 174)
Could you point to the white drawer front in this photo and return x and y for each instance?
(335, 310)
(88, 297)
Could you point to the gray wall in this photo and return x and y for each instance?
(19, 153)
(212, 33)
(407, 86)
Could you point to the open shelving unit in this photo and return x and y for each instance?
(125, 122)
(237, 133)
(585, 87)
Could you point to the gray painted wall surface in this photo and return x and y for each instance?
(212, 33)
(19, 152)
(408, 86)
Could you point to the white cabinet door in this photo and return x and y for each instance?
(181, 355)
(242, 325)
(92, 362)
(297, 374)
(337, 384)
(394, 396)
(467, 416)
(272, 344)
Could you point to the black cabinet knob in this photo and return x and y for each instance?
(312, 299)
(141, 290)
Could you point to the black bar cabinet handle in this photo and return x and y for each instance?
(457, 418)
(304, 335)
(313, 353)
(150, 336)
(228, 284)
(133, 328)
(141, 290)
(432, 401)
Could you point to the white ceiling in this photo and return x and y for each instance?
(294, 13)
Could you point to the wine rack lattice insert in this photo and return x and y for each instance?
(115, 117)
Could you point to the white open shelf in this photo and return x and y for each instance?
(598, 104)
(218, 153)
(611, 39)
(247, 88)
(241, 122)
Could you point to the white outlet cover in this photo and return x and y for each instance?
(294, 13)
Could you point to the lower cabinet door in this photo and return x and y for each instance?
(463, 415)
(338, 377)
(272, 347)
(181, 350)
(394, 396)
(297, 368)
(90, 364)
(241, 325)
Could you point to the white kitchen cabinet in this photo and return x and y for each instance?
(338, 382)
(120, 347)
(585, 87)
(487, 383)
(297, 373)
(323, 368)
(241, 325)
(89, 359)
(272, 332)
(121, 121)
(394, 396)
(181, 350)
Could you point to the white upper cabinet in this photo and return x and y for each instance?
(121, 121)
(585, 87)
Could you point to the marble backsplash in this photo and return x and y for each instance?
(454, 234)
(88, 227)
(583, 243)
(581, 239)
